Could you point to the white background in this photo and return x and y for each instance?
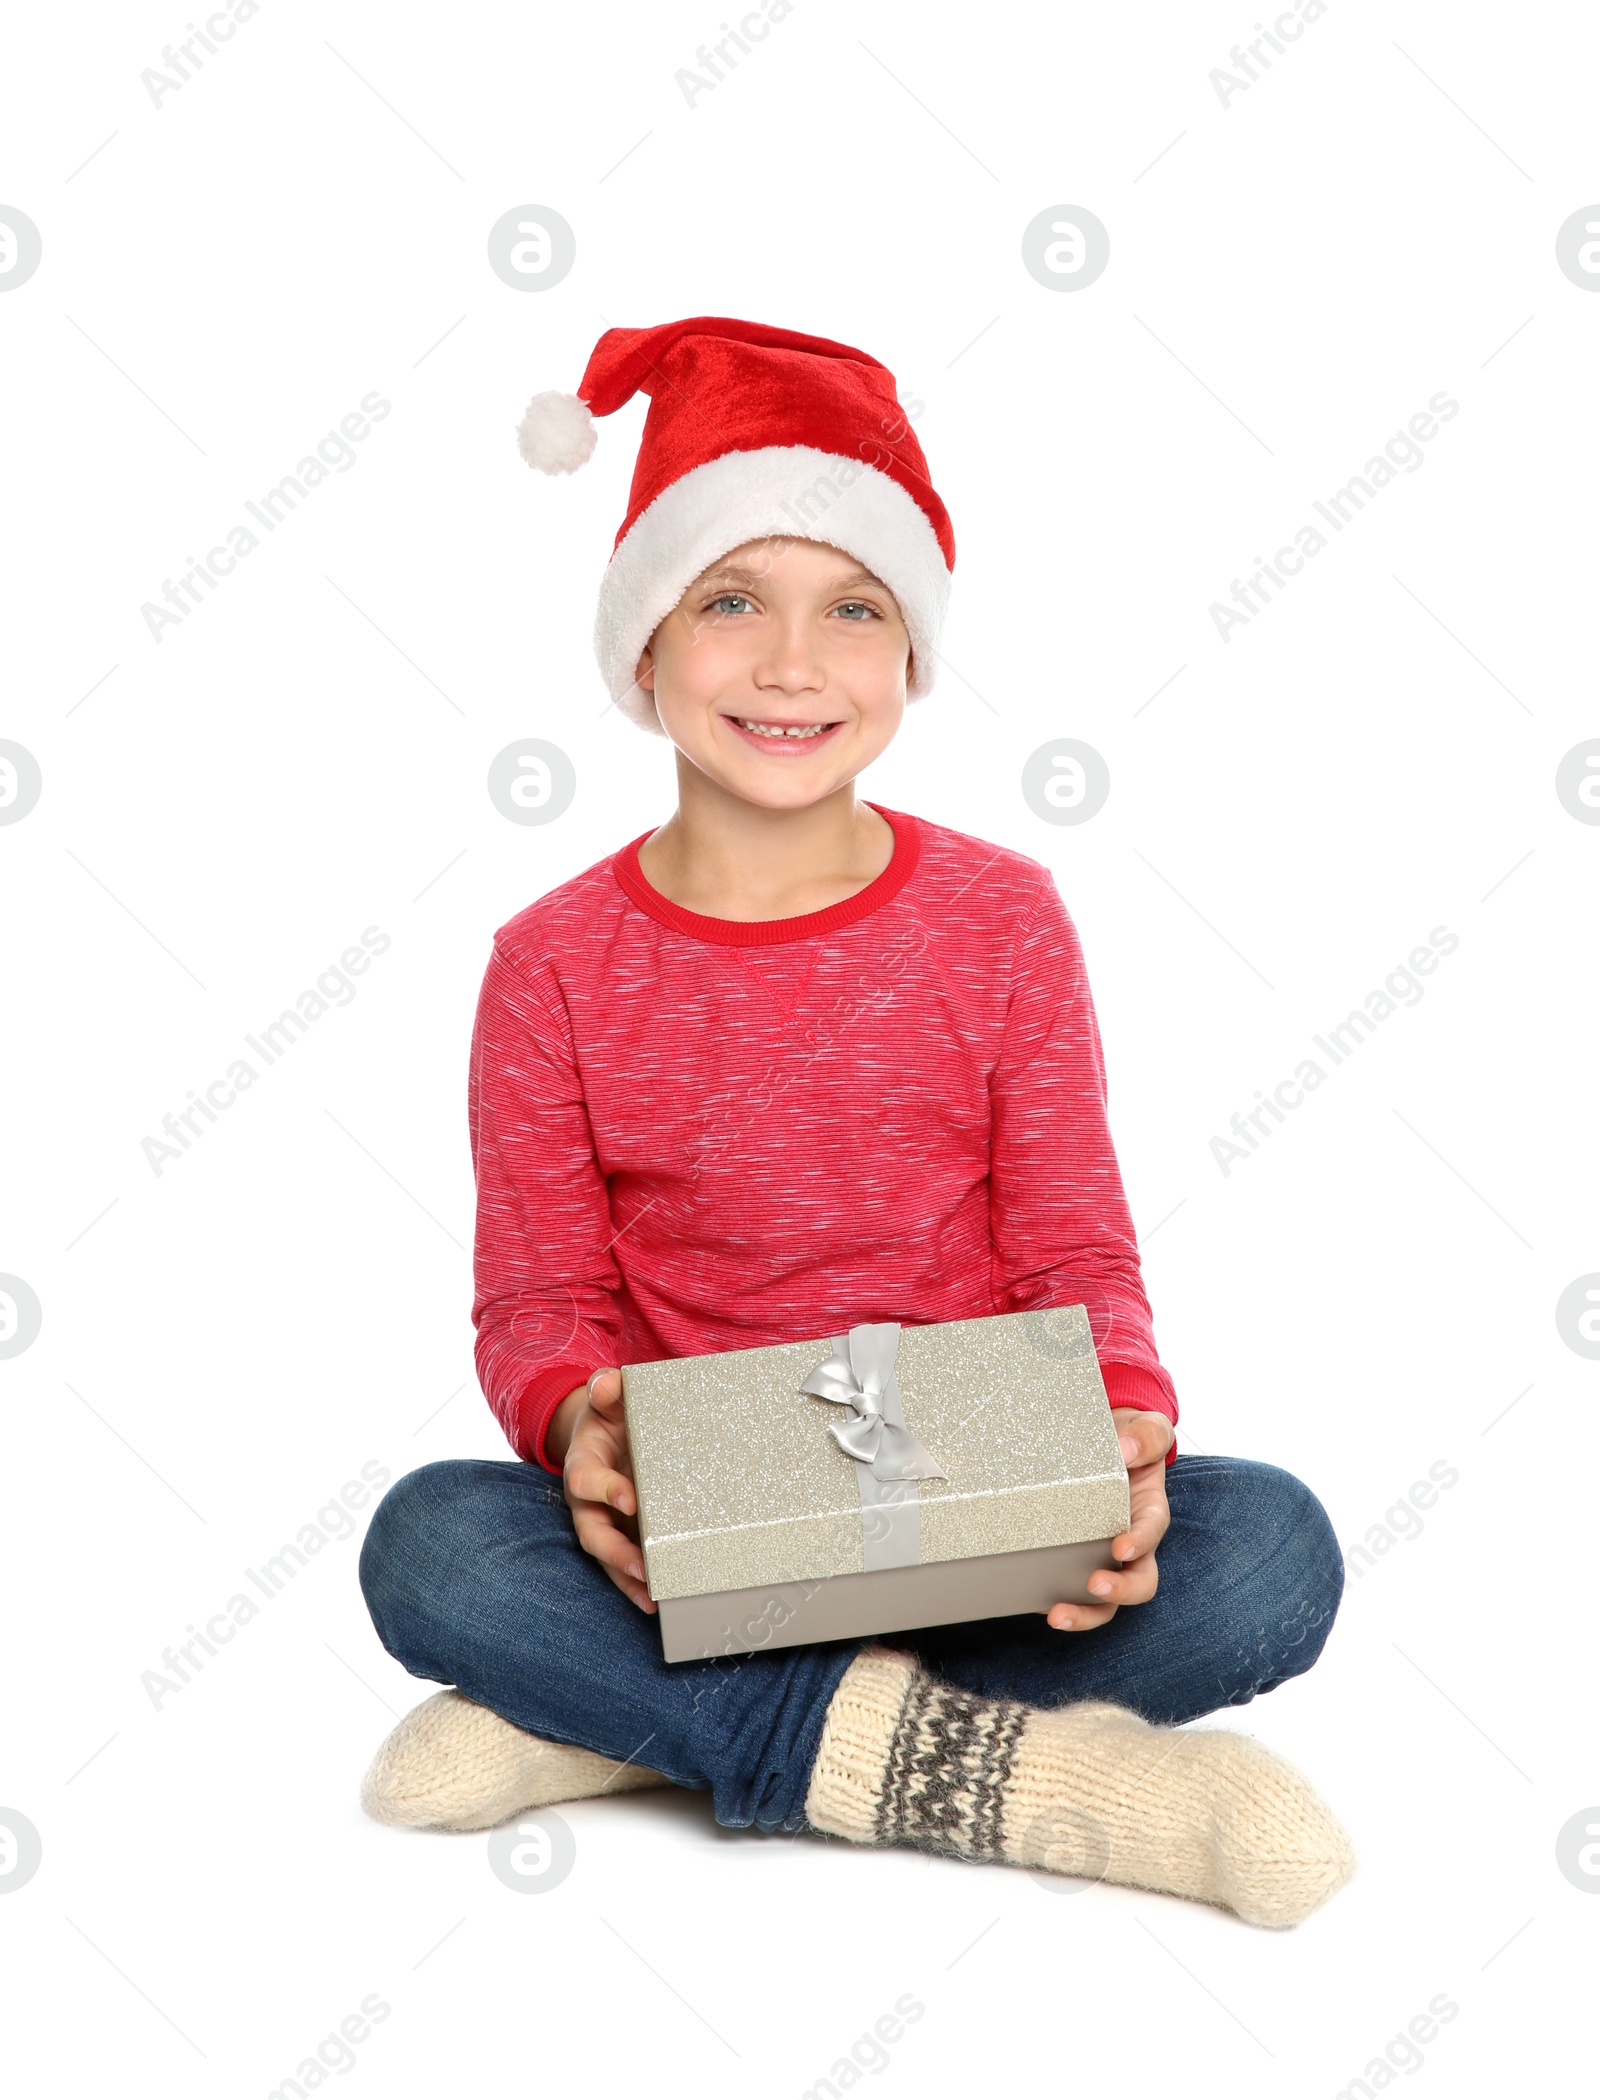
(223, 1344)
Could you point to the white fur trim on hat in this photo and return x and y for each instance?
(788, 491)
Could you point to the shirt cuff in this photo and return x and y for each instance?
(1129, 1385)
(536, 1405)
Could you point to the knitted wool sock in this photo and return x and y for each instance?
(453, 1765)
(1091, 1789)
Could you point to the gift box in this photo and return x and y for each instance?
(874, 1481)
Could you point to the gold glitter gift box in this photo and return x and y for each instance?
(874, 1481)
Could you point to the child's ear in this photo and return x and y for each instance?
(645, 676)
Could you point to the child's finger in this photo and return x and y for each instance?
(1144, 1534)
(600, 1538)
(605, 1393)
(616, 1553)
(635, 1592)
(1134, 1584)
(1078, 1618)
(593, 1481)
(1144, 1435)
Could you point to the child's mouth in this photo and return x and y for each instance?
(784, 739)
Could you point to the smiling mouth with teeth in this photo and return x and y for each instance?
(790, 729)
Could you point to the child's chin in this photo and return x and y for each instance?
(783, 786)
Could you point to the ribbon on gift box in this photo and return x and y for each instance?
(889, 1459)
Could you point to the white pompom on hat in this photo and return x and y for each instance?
(556, 433)
(752, 433)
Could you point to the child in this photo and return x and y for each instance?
(791, 1062)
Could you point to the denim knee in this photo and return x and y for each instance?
(1299, 1575)
(397, 1516)
(409, 1528)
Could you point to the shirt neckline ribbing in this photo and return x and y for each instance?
(761, 933)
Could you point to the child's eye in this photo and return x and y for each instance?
(730, 600)
(854, 605)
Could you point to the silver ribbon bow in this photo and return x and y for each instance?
(860, 1375)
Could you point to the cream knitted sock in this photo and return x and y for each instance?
(1091, 1789)
(453, 1765)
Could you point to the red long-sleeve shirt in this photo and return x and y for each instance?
(692, 1134)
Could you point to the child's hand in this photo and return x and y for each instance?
(1146, 1439)
(598, 1480)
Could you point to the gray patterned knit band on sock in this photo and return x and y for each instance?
(949, 1761)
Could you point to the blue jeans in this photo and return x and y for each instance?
(474, 1577)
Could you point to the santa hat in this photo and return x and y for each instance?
(752, 432)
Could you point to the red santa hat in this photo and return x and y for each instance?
(752, 432)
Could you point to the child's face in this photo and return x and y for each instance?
(786, 635)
